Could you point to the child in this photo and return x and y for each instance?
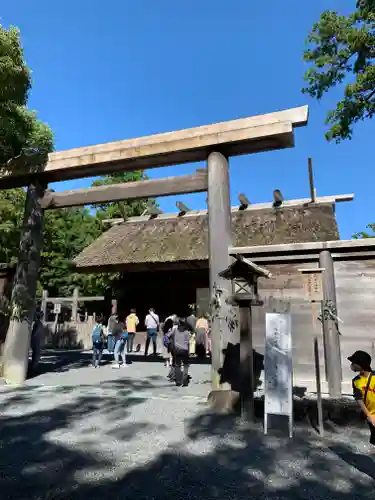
(97, 343)
(364, 388)
(180, 338)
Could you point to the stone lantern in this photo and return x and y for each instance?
(244, 275)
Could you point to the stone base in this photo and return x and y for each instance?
(16, 352)
(223, 401)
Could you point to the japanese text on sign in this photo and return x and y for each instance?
(313, 286)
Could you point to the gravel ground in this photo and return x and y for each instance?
(81, 433)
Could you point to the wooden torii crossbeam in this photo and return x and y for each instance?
(212, 143)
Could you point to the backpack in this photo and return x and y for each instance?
(97, 338)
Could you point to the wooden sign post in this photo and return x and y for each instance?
(313, 285)
(56, 311)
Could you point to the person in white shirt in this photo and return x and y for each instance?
(152, 324)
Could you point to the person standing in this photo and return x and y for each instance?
(152, 324)
(179, 337)
(364, 388)
(119, 352)
(97, 342)
(36, 335)
(167, 326)
(191, 322)
(201, 332)
(111, 332)
(131, 322)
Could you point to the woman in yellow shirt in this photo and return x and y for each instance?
(364, 387)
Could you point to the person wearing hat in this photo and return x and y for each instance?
(364, 387)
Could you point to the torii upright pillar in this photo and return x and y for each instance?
(224, 327)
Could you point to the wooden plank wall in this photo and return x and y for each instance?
(355, 292)
(355, 289)
(286, 283)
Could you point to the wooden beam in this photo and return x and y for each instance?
(311, 181)
(309, 247)
(61, 300)
(237, 137)
(194, 183)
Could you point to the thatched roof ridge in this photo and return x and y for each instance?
(186, 238)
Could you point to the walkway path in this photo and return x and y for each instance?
(114, 434)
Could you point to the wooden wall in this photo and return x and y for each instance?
(286, 284)
(355, 292)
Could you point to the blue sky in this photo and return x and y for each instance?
(105, 71)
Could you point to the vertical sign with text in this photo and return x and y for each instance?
(278, 368)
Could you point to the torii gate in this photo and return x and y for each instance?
(212, 143)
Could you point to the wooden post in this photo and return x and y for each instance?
(44, 304)
(219, 240)
(246, 359)
(17, 343)
(75, 304)
(311, 181)
(317, 373)
(330, 328)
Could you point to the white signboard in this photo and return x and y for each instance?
(278, 368)
(57, 308)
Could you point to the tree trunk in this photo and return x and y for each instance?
(22, 311)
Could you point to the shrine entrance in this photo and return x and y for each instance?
(213, 143)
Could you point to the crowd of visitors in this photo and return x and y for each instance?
(181, 337)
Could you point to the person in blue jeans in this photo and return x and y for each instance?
(152, 324)
(119, 351)
(97, 342)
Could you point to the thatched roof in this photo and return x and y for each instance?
(176, 239)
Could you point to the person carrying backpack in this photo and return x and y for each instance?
(97, 342)
(180, 337)
(364, 388)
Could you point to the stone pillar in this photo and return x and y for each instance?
(223, 319)
(331, 336)
(24, 288)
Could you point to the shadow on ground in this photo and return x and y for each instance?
(54, 361)
(229, 461)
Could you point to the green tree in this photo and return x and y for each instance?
(365, 234)
(66, 233)
(121, 209)
(24, 140)
(12, 203)
(341, 50)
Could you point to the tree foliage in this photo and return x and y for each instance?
(366, 234)
(341, 50)
(121, 209)
(24, 140)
